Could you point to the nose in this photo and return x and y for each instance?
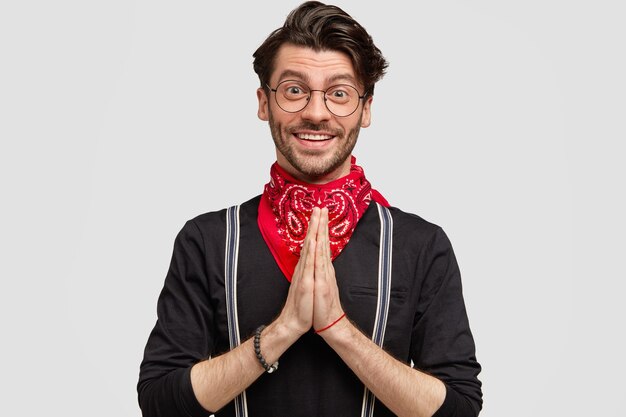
(316, 110)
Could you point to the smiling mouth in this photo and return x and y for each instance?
(312, 137)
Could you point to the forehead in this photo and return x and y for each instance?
(316, 67)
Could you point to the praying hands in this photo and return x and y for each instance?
(313, 298)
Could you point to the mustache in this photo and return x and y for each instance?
(325, 127)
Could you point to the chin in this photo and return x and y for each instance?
(317, 167)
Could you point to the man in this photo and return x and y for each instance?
(316, 298)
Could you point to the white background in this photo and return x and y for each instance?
(503, 122)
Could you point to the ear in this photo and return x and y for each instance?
(263, 111)
(366, 117)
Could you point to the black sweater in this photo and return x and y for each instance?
(427, 323)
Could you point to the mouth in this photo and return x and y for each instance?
(314, 137)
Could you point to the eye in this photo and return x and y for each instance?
(341, 93)
(293, 90)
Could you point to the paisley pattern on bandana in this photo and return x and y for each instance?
(287, 204)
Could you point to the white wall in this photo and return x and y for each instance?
(501, 121)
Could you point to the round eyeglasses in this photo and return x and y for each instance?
(293, 96)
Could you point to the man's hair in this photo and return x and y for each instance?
(323, 27)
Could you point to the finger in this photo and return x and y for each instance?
(327, 253)
(323, 225)
(312, 227)
(310, 235)
(322, 251)
(326, 233)
(304, 253)
(309, 261)
(320, 258)
(320, 239)
(323, 235)
(308, 258)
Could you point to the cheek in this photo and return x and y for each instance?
(355, 124)
(283, 121)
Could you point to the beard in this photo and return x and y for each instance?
(309, 162)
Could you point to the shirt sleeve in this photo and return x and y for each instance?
(442, 344)
(182, 335)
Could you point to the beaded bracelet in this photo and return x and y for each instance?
(257, 349)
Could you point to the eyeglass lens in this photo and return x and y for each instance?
(293, 96)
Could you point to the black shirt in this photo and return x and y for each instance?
(427, 323)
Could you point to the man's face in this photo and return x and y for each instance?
(314, 145)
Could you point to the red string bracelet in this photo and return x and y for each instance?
(331, 324)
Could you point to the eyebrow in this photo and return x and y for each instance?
(293, 74)
(304, 77)
(342, 77)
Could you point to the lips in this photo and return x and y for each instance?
(317, 137)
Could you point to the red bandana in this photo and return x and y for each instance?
(287, 204)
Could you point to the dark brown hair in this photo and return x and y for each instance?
(323, 27)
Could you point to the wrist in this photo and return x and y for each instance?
(290, 327)
(284, 330)
(341, 331)
(318, 331)
(257, 350)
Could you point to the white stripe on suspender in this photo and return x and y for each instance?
(382, 305)
(384, 291)
(230, 284)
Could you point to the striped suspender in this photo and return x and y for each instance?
(382, 307)
(384, 290)
(230, 277)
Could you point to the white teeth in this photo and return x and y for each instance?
(307, 136)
